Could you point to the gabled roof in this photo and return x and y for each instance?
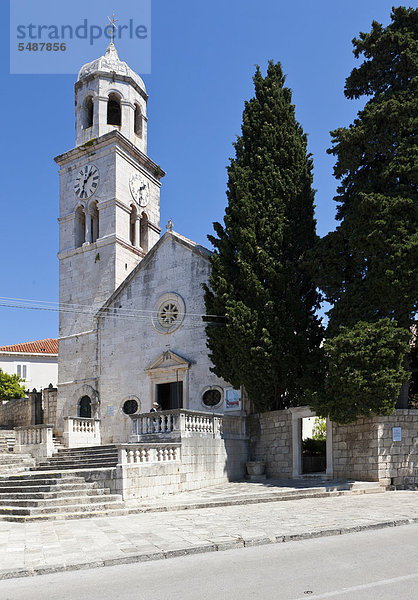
(180, 239)
(46, 346)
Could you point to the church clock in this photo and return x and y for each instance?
(139, 187)
(87, 181)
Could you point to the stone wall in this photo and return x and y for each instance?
(16, 413)
(365, 450)
(49, 403)
(196, 462)
(271, 441)
(204, 462)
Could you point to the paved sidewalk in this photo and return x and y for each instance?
(52, 546)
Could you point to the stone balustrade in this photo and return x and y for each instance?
(81, 431)
(151, 423)
(179, 423)
(35, 439)
(148, 453)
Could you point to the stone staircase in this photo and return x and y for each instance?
(93, 457)
(15, 463)
(57, 487)
(59, 495)
(7, 440)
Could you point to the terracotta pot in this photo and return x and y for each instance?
(256, 467)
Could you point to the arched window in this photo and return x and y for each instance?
(80, 227)
(138, 121)
(133, 227)
(144, 232)
(87, 118)
(94, 223)
(84, 407)
(114, 113)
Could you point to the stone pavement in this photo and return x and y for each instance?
(51, 546)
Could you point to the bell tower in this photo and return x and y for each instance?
(109, 215)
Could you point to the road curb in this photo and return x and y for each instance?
(200, 549)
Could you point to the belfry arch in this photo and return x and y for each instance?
(114, 110)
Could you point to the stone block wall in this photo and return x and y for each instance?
(355, 450)
(271, 441)
(365, 450)
(16, 413)
(201, 462)
(49, 403)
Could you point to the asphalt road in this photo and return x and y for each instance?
(381, 565)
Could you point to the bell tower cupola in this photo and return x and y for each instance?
(110, 95)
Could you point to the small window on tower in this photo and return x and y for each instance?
(80, 227)
(133, 224)
(114, 113)
(94, 227)
(88, 113)
(138, 121)
(144, 232)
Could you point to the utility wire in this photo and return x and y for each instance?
(87, 309)
(191, 320)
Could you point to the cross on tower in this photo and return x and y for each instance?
(112, 22)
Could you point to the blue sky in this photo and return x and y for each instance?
(202, 63)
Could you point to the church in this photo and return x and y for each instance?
(131, 331)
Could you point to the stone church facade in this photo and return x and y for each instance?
(130, 329)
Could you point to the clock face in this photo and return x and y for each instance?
(87, 181)
(139, 187)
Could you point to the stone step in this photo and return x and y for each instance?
(108, 512)
(95, 458)
(11, 463)
(89, 449)
(6, 511)
(6, 470)
(34, 478)
(9, 457)
(40, 495)
(76, 466)
(41, 489)
(92, 451)
(82, 499)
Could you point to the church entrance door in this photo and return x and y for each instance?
(84, 407)
(170, 395)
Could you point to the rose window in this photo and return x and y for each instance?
(169, 314)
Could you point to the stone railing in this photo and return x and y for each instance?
(131, 454)
(151, 423)
(36, 439)
(178, 423)
(81, 431)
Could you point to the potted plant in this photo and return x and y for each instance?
(256, 467)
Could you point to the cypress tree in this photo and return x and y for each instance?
(368, 265)
(266, 335)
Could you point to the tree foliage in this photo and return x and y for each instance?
(365, 371)
(10, 387)
(367, 267)
(319, 429)
(268, 336)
